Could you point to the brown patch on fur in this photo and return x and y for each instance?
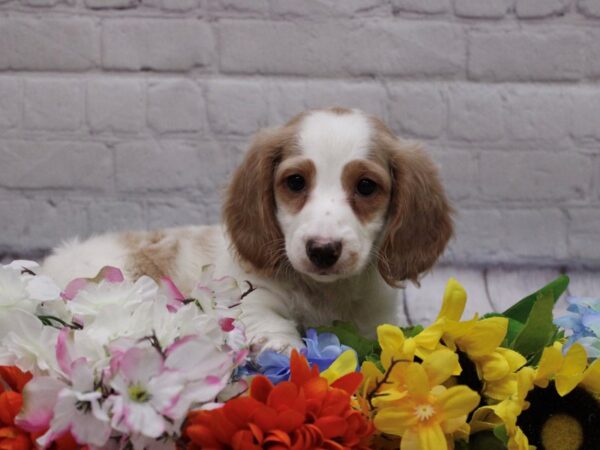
(291, 200)
(339, 110)
(366, 207)
(249, 208)
(150, 253)
(419, 222)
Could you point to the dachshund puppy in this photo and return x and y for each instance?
(325, 217)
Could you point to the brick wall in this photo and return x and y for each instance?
(131, 113)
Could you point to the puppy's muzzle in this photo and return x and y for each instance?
(323, 253)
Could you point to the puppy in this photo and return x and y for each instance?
(325, 217)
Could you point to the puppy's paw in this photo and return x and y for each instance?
(278, 342)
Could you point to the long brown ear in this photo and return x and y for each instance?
(249, 210)
(419, 222)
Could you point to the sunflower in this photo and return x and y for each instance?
(564, 411)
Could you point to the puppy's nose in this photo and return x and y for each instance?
(323, 253)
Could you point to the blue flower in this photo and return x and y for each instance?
(583, 324)
(323, 349)
(275, 366)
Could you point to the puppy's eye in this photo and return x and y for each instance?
(366, 187)
(295, 183)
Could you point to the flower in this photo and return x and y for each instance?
(144, 393)
(11, 436)
(422, 410)
(275, 366)
(323, 348)
(303, 413)
(583, 323)
(507, 412)
(568, 371)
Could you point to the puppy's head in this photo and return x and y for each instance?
(332, 191)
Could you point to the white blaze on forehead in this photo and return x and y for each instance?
(331, 139)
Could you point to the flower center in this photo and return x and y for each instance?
(138, 394)
(562, 432)
(424, 412)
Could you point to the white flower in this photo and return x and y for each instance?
(78, 410)
(26, 343)
(93, 298)
(144, 393)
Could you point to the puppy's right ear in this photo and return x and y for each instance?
(249, 210)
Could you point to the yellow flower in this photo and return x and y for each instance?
(428, 412)
(568, 371)
(344, 364)
(479, 340)
(507, 411)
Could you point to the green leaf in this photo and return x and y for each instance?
(514, 328)
(348, 335)
(486, 440)
(539, 329)
(501, 434)
(522, 309)
(411, 331)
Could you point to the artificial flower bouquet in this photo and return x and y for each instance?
(109, 363)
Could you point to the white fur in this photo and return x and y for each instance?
(275, 311)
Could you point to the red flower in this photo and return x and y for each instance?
(12, 437)
(301, 414)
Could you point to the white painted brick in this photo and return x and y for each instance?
(52, 104)
(329, 8)
(417, 110)
(459, 171)
(541, 8)
(39, 3)
(178, 212)
(48, 44)
(286, 99)
(507, 286)
(11, 102)
(236, 107)
(163, 45)
(589, 8)
(115, 105)
(477, 236)
(475, 113)
(336, 48)
(179, 5)
(584, 283)
(424, 303)
(150, 165)
(535, 175)
(218, 163)
(29, 224)
(111, 215)
(507, 236)
(421, 6)
(585, 113)
(485, 9)
(52, 221)
(238, 7)
(176, 105)
(109, 4)
(15, 221)
(593, 49)
(583, 234)
(537, 114)
(526, 55)
(55, 164)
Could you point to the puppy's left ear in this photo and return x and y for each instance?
(419, 222)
